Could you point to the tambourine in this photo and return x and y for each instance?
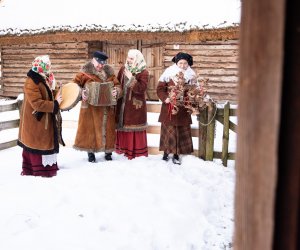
(71, 95)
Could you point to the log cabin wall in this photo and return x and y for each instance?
(1, 87)
(66, 59)
(215, 60)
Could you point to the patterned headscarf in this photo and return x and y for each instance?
(138, 64)
(42, 66)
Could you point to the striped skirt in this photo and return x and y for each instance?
(176, 139)
(32, 165)
(132, 144)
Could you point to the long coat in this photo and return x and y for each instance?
(131, 108)
(38, 132)
(96, 124)
(182, 118)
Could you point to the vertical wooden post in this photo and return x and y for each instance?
(225, 141)
(210, 133)
(202, 119)
(260, 83)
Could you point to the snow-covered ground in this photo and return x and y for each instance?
(138, 204)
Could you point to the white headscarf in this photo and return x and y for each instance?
(139, 63)
(173, 70)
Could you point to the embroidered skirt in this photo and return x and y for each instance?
(132, 144)
(32, 165)
(176, 139)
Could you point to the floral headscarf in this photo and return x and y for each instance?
(42, 66)
(138, 64)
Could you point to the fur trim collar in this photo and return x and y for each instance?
(37, 78)
(107, 71)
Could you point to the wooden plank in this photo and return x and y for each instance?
(8, 144)
(46, 45)
(9, 124)
(230, 156)
(207, 52)
(8, 107)
(55, 61)
(232, 126)
(225, 140)
(218, 79)
(32, 56)
(48, 51)
(209, 65)
(216, 71)
(232, 112)
(202, 47)
(208, 59)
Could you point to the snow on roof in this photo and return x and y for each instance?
(19, 17)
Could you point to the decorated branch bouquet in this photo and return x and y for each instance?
(192, 96)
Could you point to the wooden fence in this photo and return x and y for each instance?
(205, 130)
(10, 123)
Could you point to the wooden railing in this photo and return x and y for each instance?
(205, 130)
(4, 125)
(207, 120)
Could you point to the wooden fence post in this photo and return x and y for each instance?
(202, 119)
(225, 134)
(210, 132)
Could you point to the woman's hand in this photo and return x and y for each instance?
(167, 100)
(84, 95)
(58, 97)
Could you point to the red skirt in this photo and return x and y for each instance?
(132, 144)
(32, 165)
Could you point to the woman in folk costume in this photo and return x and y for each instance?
(131, 108)
(39, 134)
(96, 124)
(175, 135)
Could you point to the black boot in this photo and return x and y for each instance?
(176, 159)
(166, 156)
(91, 157)
(108, 156)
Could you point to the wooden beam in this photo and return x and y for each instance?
(260, 83)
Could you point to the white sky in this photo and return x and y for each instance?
(37, 14)
(139, 204)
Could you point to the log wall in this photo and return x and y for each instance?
(216, 60)
(66, 59)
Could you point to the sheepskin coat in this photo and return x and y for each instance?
(96, 124)
(132, 108)
(38, 132)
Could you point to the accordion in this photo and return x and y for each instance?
(100, 94)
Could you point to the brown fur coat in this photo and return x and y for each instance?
(38, 131)
(96, 124)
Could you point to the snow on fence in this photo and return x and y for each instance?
(213, 131)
